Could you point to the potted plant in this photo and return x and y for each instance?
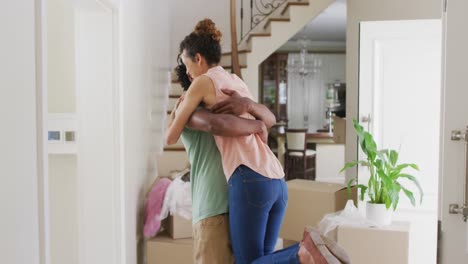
(384, 186)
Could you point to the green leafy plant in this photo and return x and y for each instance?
(384, 185)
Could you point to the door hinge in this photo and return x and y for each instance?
(445, 6)
(459, 209)
(458, 135)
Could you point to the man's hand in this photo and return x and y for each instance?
(235, 104)
(264, 133)
(238, 105)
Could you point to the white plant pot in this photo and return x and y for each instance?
(378, 214)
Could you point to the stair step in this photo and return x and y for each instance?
(226, 59)
(251, 35)
(239, 51)
(171, 103)
(158, 122)
(245, 45)
(174, 149)
(293, 4)
(278, 19)
(176, 88)
(228, 67)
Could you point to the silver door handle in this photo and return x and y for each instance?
(458, 135)
(366, 119)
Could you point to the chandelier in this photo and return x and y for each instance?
(306, 66)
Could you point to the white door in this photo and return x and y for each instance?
(454, 236)
(400, 90)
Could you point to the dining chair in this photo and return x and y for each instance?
(298, 158)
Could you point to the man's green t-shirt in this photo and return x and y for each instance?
(209, 186)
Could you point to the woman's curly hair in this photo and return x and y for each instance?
(205, 39)
(182, 77)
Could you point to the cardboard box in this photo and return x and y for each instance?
(308, 202)
(165, 250)
(339, 130)
(385, 245)
(178, 227)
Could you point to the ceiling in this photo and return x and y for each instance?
(328, 28)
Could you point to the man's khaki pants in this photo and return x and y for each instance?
(211, 241)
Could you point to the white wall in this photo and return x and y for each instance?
(19, 221)
(144, 80)
(373, 10)
(186, 14)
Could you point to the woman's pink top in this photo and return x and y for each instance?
(250, 150)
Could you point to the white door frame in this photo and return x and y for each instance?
(454, 232)
(42, 114)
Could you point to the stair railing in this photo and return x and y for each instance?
(257, 11)
(235, 67)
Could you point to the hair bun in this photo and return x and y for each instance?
(208, 27)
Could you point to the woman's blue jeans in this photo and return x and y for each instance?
(256, 209)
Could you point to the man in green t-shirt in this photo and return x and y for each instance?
(209, 187)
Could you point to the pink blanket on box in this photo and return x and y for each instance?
(154, 203)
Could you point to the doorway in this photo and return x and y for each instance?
(86, 221)
(399, 103)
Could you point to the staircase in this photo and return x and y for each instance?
(271, 34)
(261, 42)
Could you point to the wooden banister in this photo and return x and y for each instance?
(234, 51)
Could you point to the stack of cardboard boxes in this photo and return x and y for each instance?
(174, 245)
(308, 202)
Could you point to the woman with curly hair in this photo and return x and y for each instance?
(257, 191)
